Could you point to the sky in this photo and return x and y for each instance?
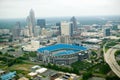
(58, 8)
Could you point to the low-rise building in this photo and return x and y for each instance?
(64, 39)
(2, 72)
(33, 46)
(8, 76)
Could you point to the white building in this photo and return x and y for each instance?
(47, 32)
(31, 23)
(4, 31)
(66, 28)
(25, 32)
(33, 46)
(37, 31)
(118, 26)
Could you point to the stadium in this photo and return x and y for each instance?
(60, 53)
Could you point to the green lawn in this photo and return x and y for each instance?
(25, 67)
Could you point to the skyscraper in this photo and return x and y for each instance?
(74, 21)
(31, 23)
(16, 31)
(41, 23)
(58, 24)
(67, 28)
(107, 32)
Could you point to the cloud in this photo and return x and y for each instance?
(49, 8)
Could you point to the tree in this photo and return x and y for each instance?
(87, 75)
(1, 53)
(112, 78)
(75, 70)
(93, 53)
(118, 40)
(32, 54)
(117, 52)
(104, 68)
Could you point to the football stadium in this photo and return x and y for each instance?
(60, 53)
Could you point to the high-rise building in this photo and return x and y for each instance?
(41, 23)
(58, 24)
(67, 28)
(32, 18)
(107, 32)
(25, 32)
(31, 23)
(16, 30)
(118, 26)
(74, 21)
(37, 31)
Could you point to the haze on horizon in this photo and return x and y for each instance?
(58, 8)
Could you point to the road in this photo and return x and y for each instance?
(109, 57)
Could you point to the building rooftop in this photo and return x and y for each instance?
(65, 53)
(8, 76)
(1, 71)
(23, 78)
(62, 46)
(93, 40)
(41, 70)
(61, 49)
(32, 74)
(36, 66)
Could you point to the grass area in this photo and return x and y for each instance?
(106, 49)
(25, 67)
(22, 68)
(3, 67)
(96, 78)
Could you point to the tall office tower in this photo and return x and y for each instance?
(74, 21)
(67, 28)
(25, 32)
(32, 18)
(118, 26)
(31, 23)
(37, 31)
(107, 32)
(16, 31)
(41, 23)
(18, 27)
(58, 24)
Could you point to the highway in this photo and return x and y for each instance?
(109, 57)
